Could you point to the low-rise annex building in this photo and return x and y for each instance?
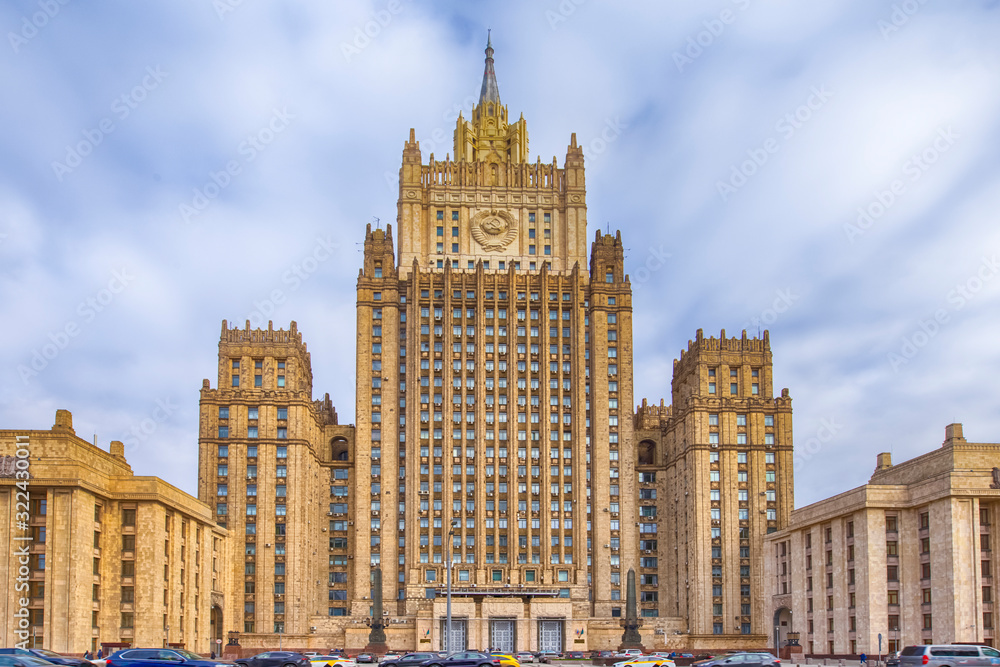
(111, 557)
(908, 556)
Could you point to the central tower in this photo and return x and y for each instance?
(490, 203)
(494, 376)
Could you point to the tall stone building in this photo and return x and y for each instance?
(97, 555)
(716, 468)
(494, 393)
(495, 430)
(275, 465)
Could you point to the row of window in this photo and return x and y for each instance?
(258, 377)
(253, 412)
(280, 452)
(253, 433)
(279, 471)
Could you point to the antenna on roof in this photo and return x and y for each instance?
(378, 223)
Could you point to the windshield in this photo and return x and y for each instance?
(51, 654)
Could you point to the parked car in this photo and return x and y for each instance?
(463, 659)
(46, 655)
(742, 659)
(366, 657)
(646, 661)
(575, 655)
(606, 654)
(548, 656)
(948, 655)
(525, 656)
(415, 658)
(628, 653)
(275, 659)
(506, 659)
(391, 655)
(156, 657)
(11, 660)
(332, 660)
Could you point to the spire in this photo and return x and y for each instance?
(489, 92)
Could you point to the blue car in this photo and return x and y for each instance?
(160, 657)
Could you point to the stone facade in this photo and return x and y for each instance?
(113, 557)
(907, 556)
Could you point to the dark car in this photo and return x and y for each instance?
(742, 659)
(415, 658)
(274, 659)
(575, 655)
(11, 660)
(366, 657)
(462, 659)
(46, 655)
(158, 657)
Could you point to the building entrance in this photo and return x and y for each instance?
(550, 636)
(502, 635)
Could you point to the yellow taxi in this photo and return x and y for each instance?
(506, 659)
(646, 661)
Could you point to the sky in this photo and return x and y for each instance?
(825, 170)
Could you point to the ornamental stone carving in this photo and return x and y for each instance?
(494, 229)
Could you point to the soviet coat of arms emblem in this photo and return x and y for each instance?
(494, 230)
